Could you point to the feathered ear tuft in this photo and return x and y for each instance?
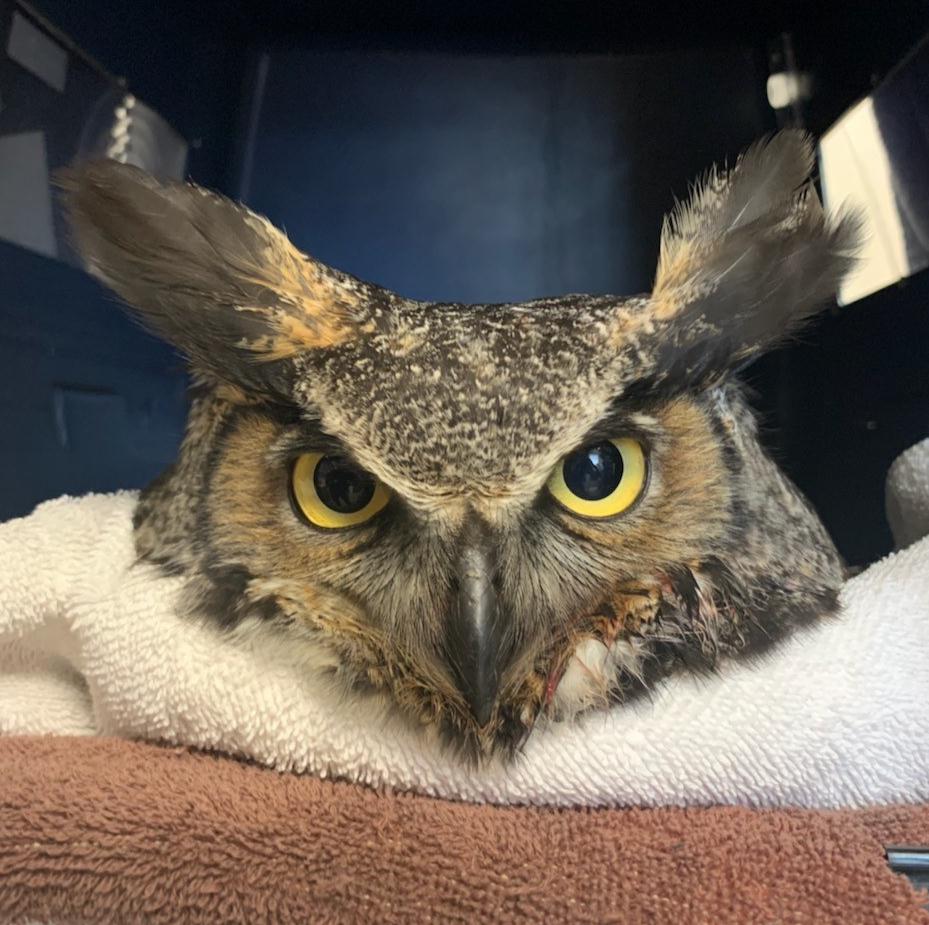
(743, 263)
(208, 275)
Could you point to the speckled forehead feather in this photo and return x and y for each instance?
(471, 398)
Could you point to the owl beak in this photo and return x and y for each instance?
(473, 629)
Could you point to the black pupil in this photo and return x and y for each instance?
(341, 486)
(594, 471)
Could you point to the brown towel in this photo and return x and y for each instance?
(102, 830)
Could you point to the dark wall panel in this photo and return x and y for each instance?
(183, 59)
(490, 178)
(88, 401)
(853, 394)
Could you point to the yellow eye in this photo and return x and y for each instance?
(601, 479)
(331, 491)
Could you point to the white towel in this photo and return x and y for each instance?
(907, 495)
(90, 643)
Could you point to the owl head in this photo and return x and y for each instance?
(480, 514)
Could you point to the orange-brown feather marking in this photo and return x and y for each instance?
(311, 309)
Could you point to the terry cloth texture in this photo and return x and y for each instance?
(91, 642)
(907, 495)
(108, 831)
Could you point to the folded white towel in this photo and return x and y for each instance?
(90, 643)
(907, 495)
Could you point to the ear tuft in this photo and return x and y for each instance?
(745, 261)
(208, 275)
(766, 179)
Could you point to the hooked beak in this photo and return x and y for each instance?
(474, 628)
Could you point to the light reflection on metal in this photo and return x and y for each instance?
(139, 136)
(786, 88)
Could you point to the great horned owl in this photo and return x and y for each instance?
(481, 514)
